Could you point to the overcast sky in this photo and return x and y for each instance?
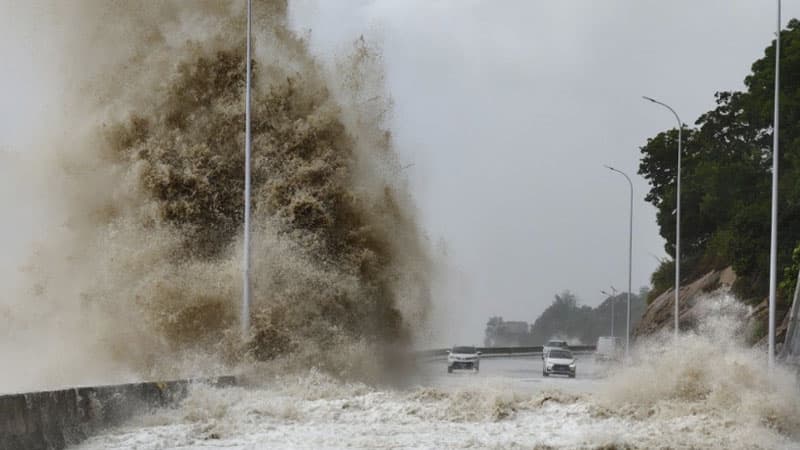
(508, 111)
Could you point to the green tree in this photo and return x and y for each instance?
(566, 318)
(726, 177)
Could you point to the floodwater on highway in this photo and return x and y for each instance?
(508, 404)
(520, 375)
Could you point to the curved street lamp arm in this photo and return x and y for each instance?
(680, 124)
(623, 174)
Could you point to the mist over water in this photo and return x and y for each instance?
(139, 275)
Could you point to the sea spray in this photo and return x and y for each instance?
(140, 274)
(710, 373)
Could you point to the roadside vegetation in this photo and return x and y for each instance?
(566, 319)
(726, 182)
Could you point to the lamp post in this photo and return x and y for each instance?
(613, 299)
(677, 214)
(246, 241)
(630, 263)
(773, 244)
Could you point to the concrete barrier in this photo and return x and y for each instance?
(52, 420)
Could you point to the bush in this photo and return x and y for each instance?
(662, 279)
(787, 285)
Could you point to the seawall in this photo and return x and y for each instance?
(52, 420)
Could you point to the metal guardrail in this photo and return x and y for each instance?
(502, 351)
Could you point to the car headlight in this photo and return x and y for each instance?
(549, 365)
(572, 366)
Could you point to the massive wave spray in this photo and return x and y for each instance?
(142, 278)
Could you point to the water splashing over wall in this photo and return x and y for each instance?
(140, 275)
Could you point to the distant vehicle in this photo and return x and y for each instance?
(463, 358)
(558, 362)
(608, 349)
(554, 345)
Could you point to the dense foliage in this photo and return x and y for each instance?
(566, 319)
(726, 180)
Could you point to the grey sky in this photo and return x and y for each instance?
(508, 110)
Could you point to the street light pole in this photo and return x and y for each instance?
(630, 264)
(677, 215)
(613, 298)
(246, 241)
(773, 245)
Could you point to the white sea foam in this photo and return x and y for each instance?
(708, 391)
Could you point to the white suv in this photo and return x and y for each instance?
(463, 358)
(559, 362)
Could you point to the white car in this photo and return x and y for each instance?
(463, 358)
(559, 362)
(554, 345)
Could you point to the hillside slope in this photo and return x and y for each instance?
(659, 316)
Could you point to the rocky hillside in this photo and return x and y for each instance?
(659, 316)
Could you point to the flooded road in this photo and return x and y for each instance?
(508, 404)
(521, 374)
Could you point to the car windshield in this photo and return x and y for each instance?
(463, 349)
(560, 354)
(556, 344)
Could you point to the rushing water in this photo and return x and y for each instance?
(705, 391)
(139, 273)
(462, 411)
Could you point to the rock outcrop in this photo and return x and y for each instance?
(759, 320)
(659, 314)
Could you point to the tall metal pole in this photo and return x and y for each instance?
(612, 314)
(246, 243)
(773, 245)
(677, 216)
(630, 264)
(613, 298)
